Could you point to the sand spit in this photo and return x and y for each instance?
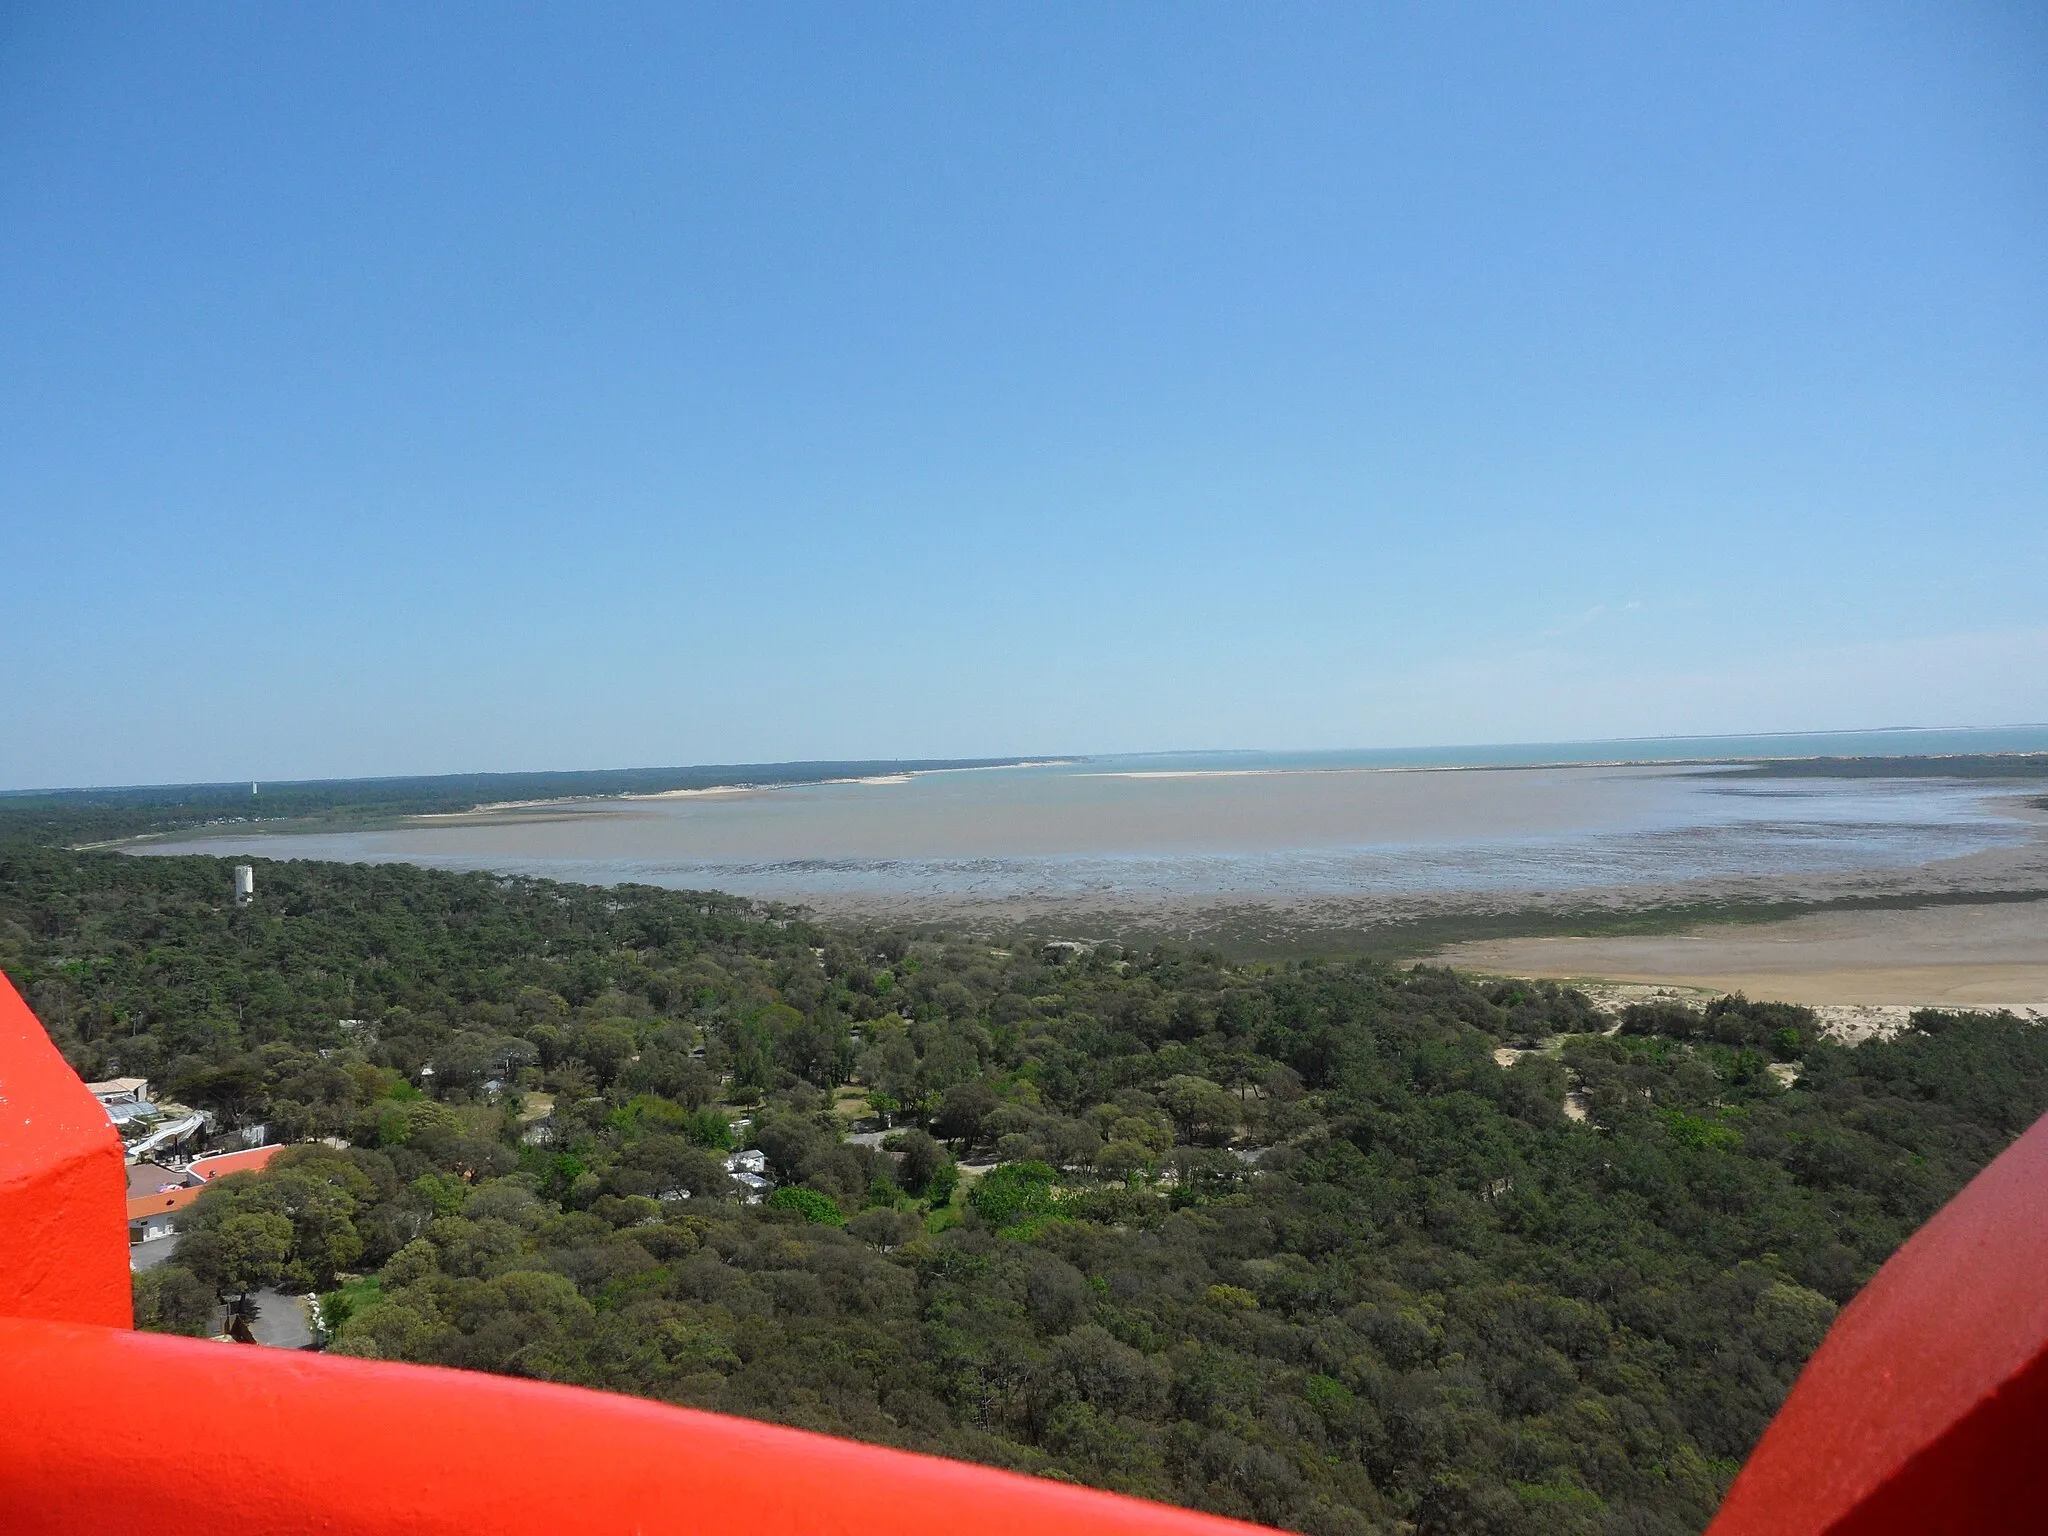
(599, 803)
(494, 809)
(715, 791)
(905, 777)
(491, 809)
(729, 791)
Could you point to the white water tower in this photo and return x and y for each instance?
(245, 885)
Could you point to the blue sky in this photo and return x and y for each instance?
(408, 389)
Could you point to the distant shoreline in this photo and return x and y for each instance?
(350, 808)
(1283, 917)
(736, 787)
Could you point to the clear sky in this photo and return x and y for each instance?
(422, 388)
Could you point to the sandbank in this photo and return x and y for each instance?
(1974, 955)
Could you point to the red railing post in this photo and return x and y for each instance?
(1925, 1410)
(63, 1187)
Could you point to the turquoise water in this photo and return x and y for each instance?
(1894, 742)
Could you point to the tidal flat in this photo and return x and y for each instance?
(1952, 955)
(1272, 852)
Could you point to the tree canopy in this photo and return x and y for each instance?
(1288, 1242)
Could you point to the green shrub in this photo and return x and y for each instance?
(807, 1203)
(708, 1127)
(649, 1114)
(1011, 1191)
(171, 1299)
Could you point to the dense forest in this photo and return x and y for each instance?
(1311, 1244)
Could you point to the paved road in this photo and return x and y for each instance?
(152, 1253)
(280, 1321)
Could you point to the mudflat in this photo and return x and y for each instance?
(1363, 843)
(1991, 954)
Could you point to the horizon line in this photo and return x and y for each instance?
(1020, 759)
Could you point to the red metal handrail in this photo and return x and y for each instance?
(1926, 1408)
(237, 1438)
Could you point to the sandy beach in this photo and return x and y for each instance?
(1992, 954)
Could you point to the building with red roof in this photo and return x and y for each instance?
(156, 1192)
(223, 1163)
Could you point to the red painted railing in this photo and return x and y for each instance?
(63, 1256)
(1926, 1409)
